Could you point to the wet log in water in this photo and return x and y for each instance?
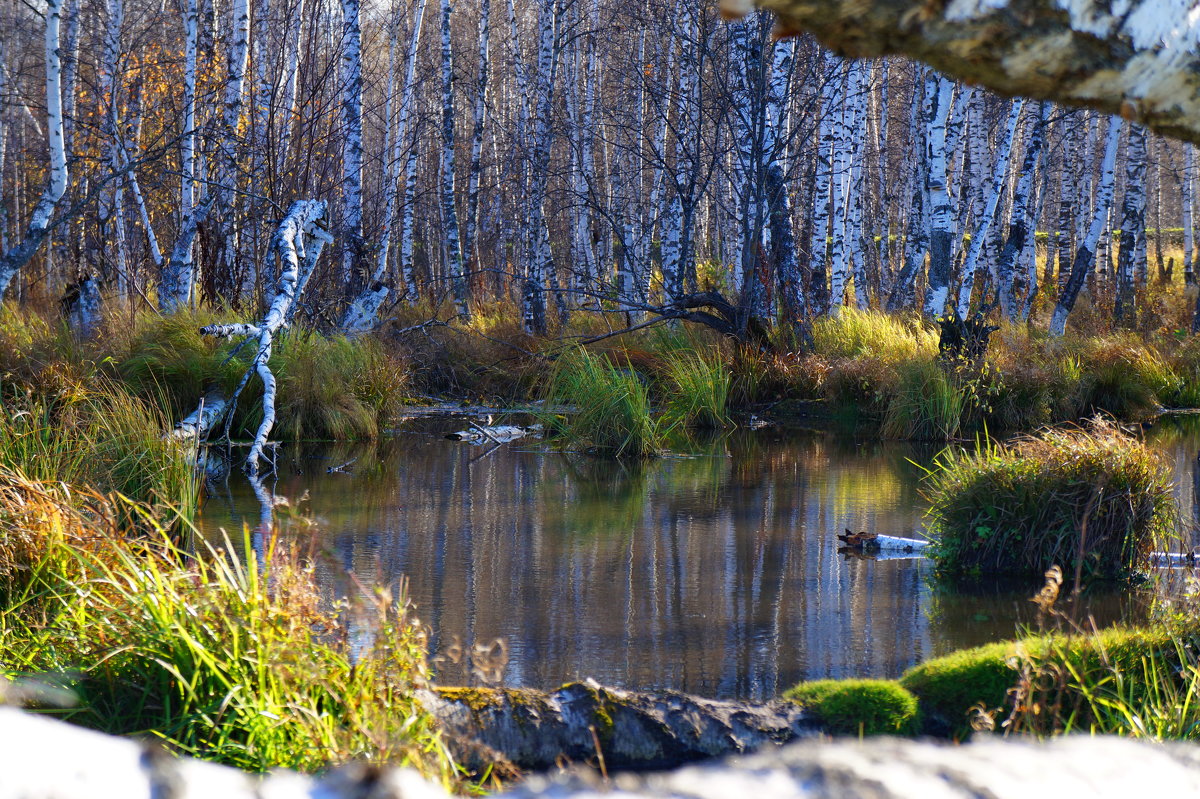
(621, 730)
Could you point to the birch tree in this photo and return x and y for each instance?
(1085, 254)
(1133, 225)
(16, 256)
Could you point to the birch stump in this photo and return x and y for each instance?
(298, 242)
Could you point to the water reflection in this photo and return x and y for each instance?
(715, 573)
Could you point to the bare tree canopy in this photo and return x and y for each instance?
(1139, 58)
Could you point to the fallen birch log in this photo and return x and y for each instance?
(589, 722)
(199, 423)
(297, 242)
(871, 543)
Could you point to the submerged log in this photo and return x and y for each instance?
(872, 543)
(494, 434)
(620, 730)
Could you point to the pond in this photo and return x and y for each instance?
(715, 573)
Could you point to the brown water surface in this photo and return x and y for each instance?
(715, 573)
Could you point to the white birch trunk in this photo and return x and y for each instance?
(993, 190)
(823, 179)
(38, 228)
(1084, 256)
(453, 243)
(353, 261)
(1188, 200)
(542, 264)
(1132, 254)
(475, 170)
(179, 276)
(941, 230)
(1023, 218)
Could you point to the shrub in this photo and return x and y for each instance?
(859, 707)
(1094, 498)
(607, 409)
(335, 388)
(1127, 377)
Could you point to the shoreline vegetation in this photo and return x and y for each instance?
(244, 662)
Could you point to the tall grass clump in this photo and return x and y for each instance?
(855, 334)
(100, 437)
(606, 410)
(1094, 499)
(336, 388)
(699, 387)
(927, 404)
(239, 662)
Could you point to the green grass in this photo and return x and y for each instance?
(101, 437)
(927, 404)
(223, 659)
(698, 391)
(859, 707)
(1093, 499)
(609, 409)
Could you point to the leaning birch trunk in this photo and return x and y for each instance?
(301, 234)
(56, 184)
(1085, 255)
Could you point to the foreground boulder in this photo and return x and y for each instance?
(49, 759)
(587, 722)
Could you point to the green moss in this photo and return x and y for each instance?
(948, 687)
(477, 699)
(866, 707)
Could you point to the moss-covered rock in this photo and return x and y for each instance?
(948, 687)
(859, 707)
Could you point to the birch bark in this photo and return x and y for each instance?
(1085, 255)
(38, 228)
(1131, 256)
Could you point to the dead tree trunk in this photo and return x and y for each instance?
(298, 242)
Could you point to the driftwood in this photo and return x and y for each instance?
(494, 434)
(622, 730)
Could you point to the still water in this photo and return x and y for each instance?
(716, 573)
